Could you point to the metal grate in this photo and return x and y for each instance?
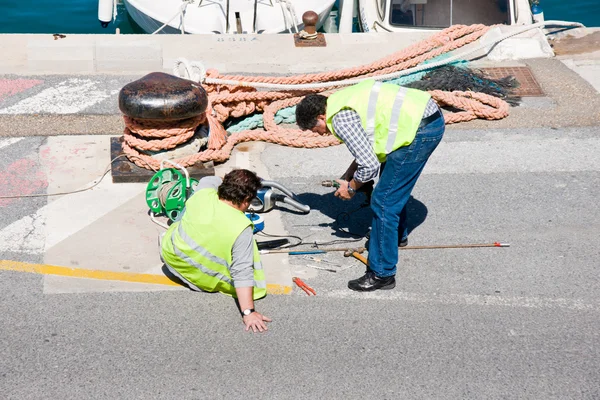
(528, 86)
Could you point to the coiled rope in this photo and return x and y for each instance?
(237, 96)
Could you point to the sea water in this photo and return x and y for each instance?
(81, 16)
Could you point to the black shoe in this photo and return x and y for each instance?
(370, 282)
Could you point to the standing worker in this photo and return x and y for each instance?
(382, 125)
(212, 248)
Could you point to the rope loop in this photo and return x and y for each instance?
(192, 70)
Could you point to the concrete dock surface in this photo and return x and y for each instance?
(518, 322)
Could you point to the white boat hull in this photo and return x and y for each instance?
(432, 15)
(210, 16)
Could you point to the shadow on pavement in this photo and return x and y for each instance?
(352, 218)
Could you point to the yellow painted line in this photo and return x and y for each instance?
(45, 269)
(273, 288)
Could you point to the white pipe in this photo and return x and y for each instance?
(346, 13)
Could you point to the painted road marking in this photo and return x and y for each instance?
(67, 97)
(21, 178)
(432, 298)
(471, 299)
(64, 217)
(9, 141)
(70, 164)
(45, 269)
(10, 87)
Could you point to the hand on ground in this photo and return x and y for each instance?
(256, 322)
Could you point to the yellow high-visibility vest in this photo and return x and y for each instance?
(389, 113)
(199, 245)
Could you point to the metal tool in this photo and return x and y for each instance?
(320, 260)
(266, 198)
(312, 258)
(330, 183)
(356, 255)
(366, 188)
(321, 268)
(361, 250)
(316, 251)
(307, 289)
(455, 246)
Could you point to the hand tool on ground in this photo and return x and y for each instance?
(355, 254)
(314, 251)
(272, 244)
(304, 286)
(266, 198)
(320, 260)
(321, 268)
(339, 267)
(455, 246)
(361, 250)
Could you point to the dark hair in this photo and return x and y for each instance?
(309, 109)
(238, 186)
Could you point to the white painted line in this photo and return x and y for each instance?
(74, 212)
(468, 299)
(559, 154)
(67, 97)
(65, 216)
(24, 235)
(9, 141)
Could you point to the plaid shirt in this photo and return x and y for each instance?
(348, 127)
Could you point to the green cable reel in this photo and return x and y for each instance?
(167, 192)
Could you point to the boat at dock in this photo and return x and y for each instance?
(427, 15)
(285, 16)
(219, 16)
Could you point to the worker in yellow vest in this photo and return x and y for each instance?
(388, 129)
(212, 247)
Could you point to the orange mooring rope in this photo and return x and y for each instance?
(227, 101)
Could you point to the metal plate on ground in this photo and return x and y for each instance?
(528, 86)
(124, 171)
(319, 41)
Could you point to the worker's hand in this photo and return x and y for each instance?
(342, 192)
(256, 322)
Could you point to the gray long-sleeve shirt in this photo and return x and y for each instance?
(242, 253)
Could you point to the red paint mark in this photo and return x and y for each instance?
(23, 177)
(45, 152)
(77, 150)
(9, 87)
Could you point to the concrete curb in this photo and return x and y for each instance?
(139, 54)
(252, 54)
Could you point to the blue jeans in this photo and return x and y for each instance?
(398, 178)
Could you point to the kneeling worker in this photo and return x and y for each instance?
(212, 248)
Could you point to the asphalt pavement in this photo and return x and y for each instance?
(518, 322)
